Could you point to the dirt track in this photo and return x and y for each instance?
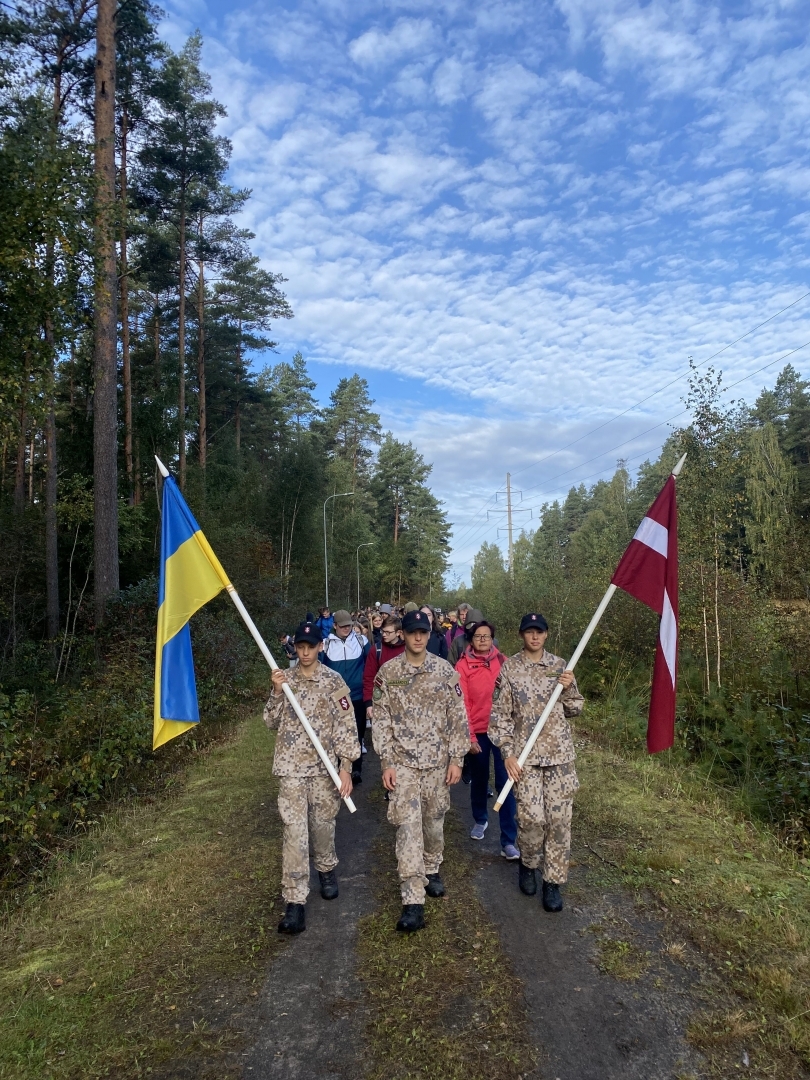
(586, 1024)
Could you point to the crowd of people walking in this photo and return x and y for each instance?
(444, 704)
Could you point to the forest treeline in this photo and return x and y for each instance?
(137, 320)
(744, 535)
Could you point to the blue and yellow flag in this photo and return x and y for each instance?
(190, 576)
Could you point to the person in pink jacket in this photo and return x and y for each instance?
(478, 669)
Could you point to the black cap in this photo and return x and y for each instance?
(309, 632)
(533, 622)
(415, 620)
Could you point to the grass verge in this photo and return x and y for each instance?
(444, 1002)
(141, 951)
(725, 885)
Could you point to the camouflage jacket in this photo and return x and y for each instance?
(522, 690)
(419, 715)
(326, 702)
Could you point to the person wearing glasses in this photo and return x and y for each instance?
(478, 669)
(393, 644)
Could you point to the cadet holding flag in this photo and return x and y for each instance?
(305, 788)
(421, 734)
(545, 784)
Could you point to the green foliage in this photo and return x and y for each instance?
(196, 309)
(743, 693)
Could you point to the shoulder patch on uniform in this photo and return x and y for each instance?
(496, 693)
(342, 698)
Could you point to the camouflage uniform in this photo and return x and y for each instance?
(545, 791)
(420, 727)
(305, 784)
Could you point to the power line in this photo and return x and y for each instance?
(666, 386)
(725, 390)
(470, 524)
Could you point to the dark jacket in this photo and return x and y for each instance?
(437, 644)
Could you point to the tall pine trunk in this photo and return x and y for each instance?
(19, 472)
(125, 350)
(238, 388)
(51, 549)
(201, 351)
(156, 338)
(105, 404)
(51, 493)
(181, 342)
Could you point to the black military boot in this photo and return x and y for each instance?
(435, 886)
(526, 879)
(294, 921)
(329, 885)
(412, 918)
(552, 900)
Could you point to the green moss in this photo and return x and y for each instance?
(106, 969)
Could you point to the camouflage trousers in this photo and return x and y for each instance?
(299, 798)
(545, 800)
(417, 807)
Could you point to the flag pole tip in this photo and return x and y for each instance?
(679, 466)
(164, 472)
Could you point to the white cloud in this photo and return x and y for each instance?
(534, 211)
(376, 48)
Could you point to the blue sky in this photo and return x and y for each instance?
(517, 218)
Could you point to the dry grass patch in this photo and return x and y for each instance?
(731, 888)
(444, 1001)
(622, 959)
(144, 947)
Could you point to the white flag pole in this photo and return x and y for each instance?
(558, 689)
(299, 712)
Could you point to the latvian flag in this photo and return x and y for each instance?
(649, 571)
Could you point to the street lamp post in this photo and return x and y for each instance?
(371, 543)
(338, 495)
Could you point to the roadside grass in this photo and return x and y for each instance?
(725, 884)
(139, 953)
(444, 1002)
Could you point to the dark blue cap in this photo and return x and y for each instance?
(415, 620)
(533, 622)
(308, 631)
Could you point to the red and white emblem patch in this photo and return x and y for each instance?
(458, 689)
(344, 704)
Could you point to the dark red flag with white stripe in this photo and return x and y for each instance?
(649, 571)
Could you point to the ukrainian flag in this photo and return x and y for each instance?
(190, 576)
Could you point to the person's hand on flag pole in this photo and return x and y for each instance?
(648, 570)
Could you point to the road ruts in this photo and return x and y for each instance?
(585, 1024)
(311, 1018)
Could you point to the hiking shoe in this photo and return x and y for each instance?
(363, 748)
(412, 918)
(527, 879)
(357, 777)
(552, 900)
(435, 886)
(477, 831)
(329, 885)
(510, 852)
(294, 921)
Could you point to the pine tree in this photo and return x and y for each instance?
(183, 156)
